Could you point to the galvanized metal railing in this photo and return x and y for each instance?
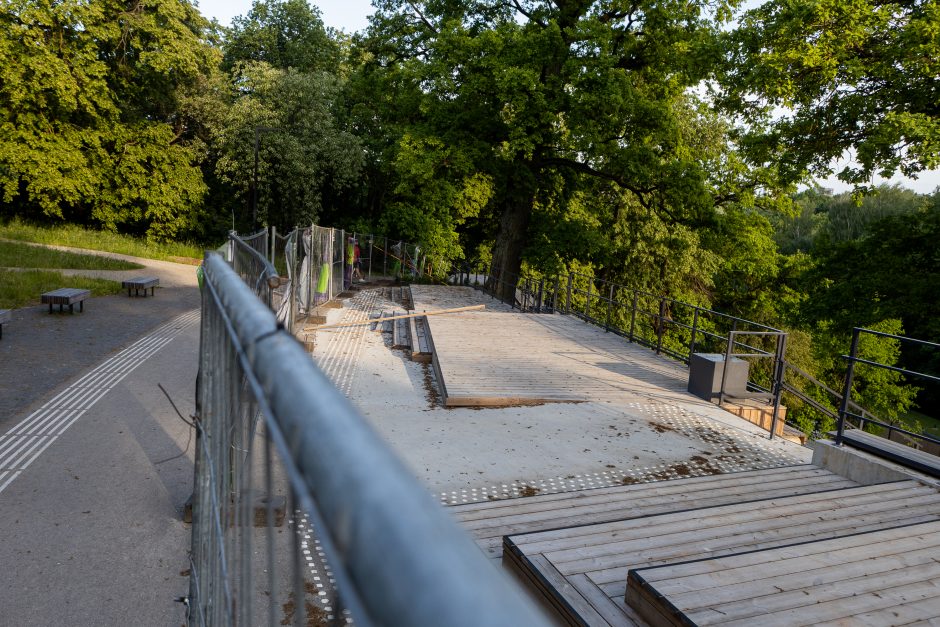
(272, 426)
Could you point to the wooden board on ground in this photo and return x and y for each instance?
(893, 574)
(489, 521)
(602, 554)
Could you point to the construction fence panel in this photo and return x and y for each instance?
(275, 435)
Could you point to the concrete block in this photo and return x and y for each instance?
(860, 466)
(706, 371)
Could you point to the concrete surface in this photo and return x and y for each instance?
(474, 454)
(90, 530)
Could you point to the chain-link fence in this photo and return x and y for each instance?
(277, 444)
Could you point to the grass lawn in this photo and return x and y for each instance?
(16, 255)
(19, 288)
(77, 237)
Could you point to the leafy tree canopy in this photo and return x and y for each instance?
(859, 76)
(284, 34)
(89, 111)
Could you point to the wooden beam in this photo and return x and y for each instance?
(411, 315)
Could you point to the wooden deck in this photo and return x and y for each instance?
(489, 521)
(582, 570)
(498, 358)
(889, 577)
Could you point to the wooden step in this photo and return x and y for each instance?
(401, 337)
(893, 451)
(598, 557)
(850, 579)
(489, 521)
(420, 346)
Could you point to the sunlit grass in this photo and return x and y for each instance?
(78, 237)
(16, 255)
(21, 288)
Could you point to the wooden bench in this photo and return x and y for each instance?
(138, 283)
(66, 296)
(5, 316)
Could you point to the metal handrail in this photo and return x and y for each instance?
(852, 358)
(397, 557)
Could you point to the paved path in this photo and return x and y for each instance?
(41, 351)
(95, 465)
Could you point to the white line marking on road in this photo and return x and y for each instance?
(26, 441)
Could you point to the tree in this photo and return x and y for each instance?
(861, 76)
(89, 104)
(547, 100)
(303, 155)
(283, 34)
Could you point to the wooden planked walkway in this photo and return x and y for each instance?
(497, 358)
(888, 577)
(582, 570)
(489, 521)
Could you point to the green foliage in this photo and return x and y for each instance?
(303, 155)
(89, 98)
(856, 75)
(284, 34)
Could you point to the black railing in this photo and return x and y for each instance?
(846, 402)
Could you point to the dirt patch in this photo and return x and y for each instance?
(315, 616)
(630, 481)
(659, 427)
(529, 491)
(431, 391)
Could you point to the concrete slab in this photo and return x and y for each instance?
(469, 454)
(91, 529)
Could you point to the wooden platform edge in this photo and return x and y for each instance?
(697, 509)
(640, 593)
(541, 587)
(652, 607)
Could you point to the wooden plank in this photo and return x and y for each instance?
(614, 614)
(633, 497)
(469, 511)
(894, 600)
(726, 539)
(5, 315)
(923, 612)
(548, 583)
(739, 569)
(720, 516)
(862, 579)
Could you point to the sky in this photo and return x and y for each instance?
(353, 15)
(346, 15)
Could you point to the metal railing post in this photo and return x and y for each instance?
(568, 303)
(779, 372)
(694, 332)
(661, 326)
(847, 391)
(724, 368)
(587, 302)
(633, 314)
(555, 296)
(610, 302)
(539, 301)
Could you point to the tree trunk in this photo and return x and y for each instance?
(510, 242)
